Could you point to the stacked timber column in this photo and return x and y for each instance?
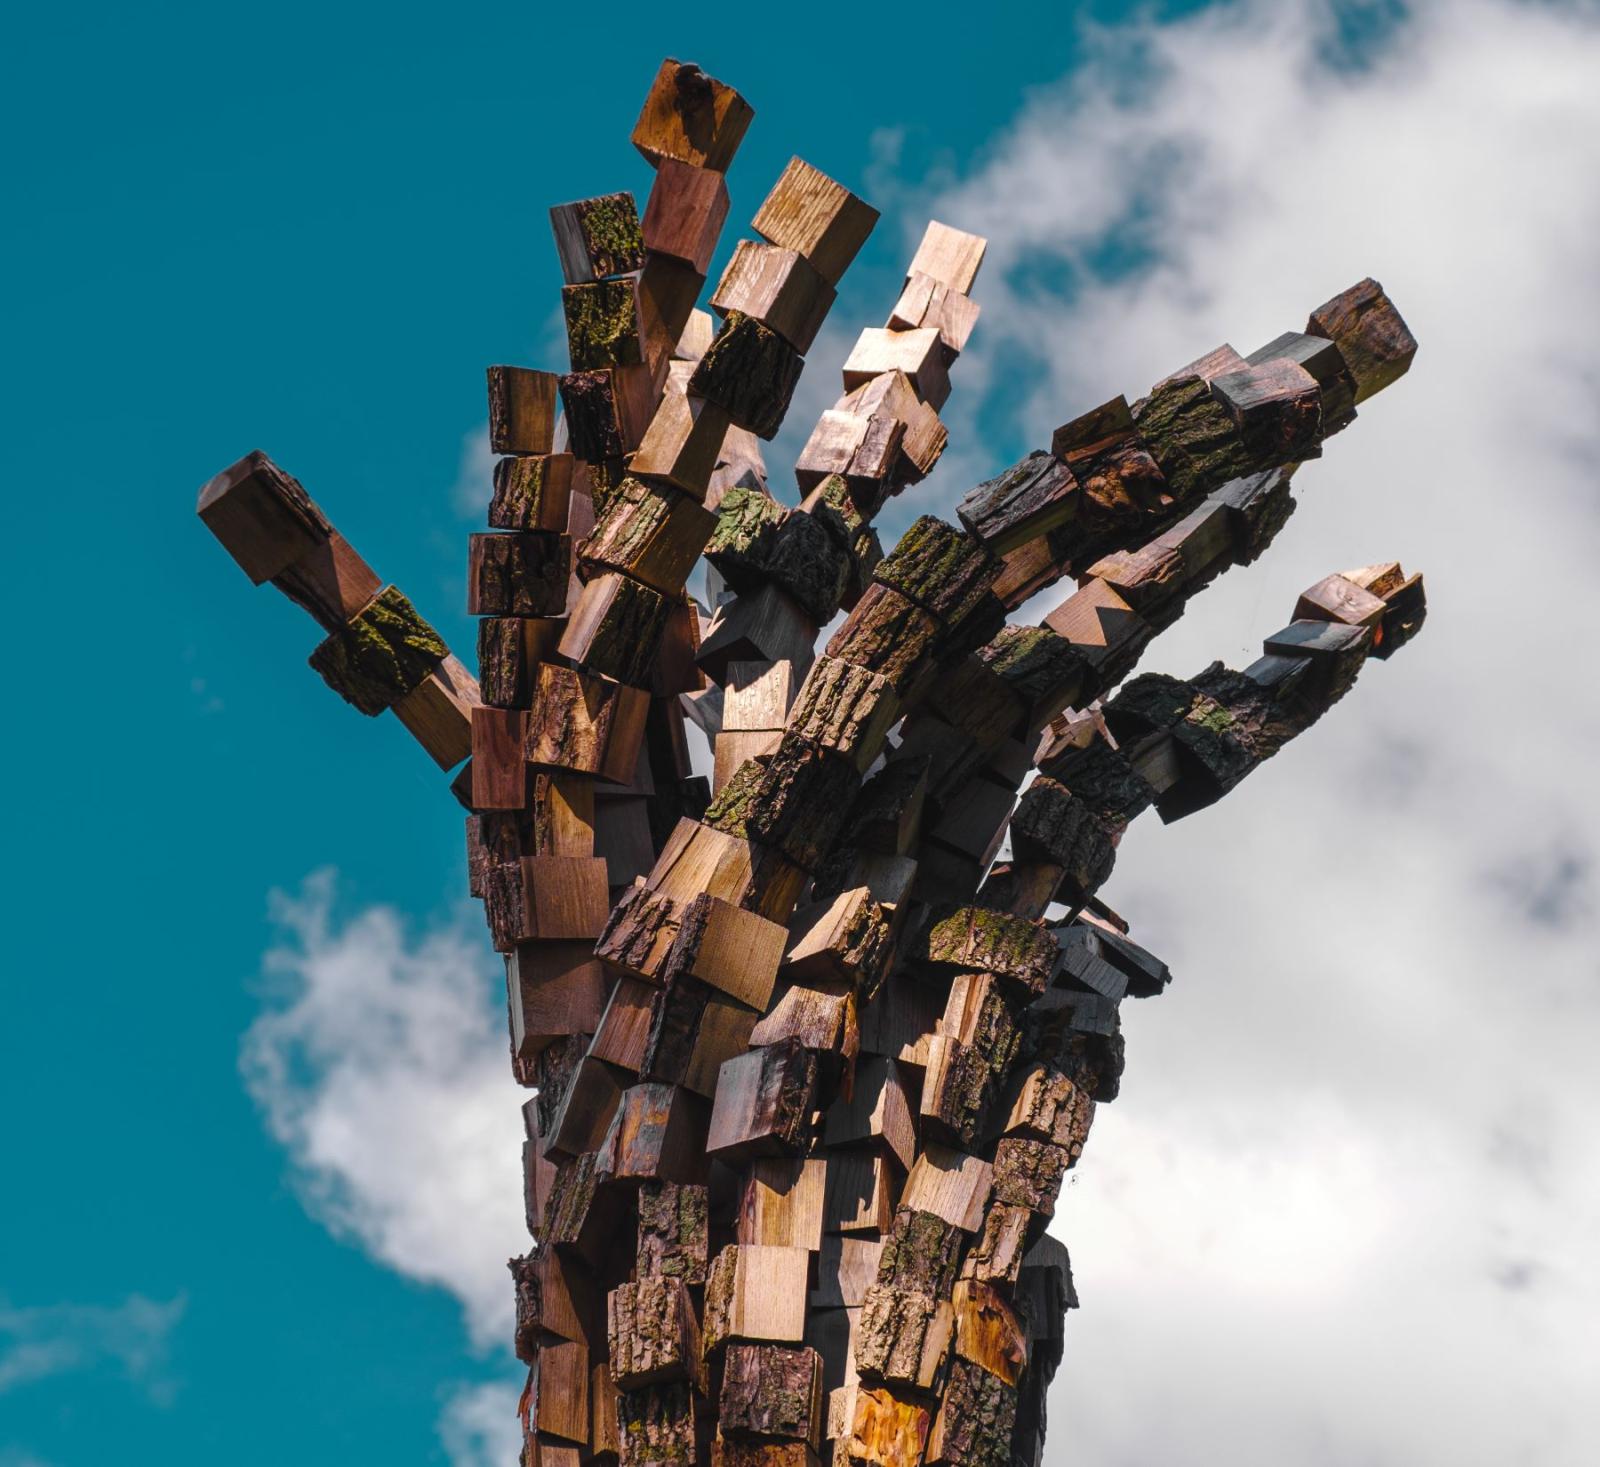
(379, 653)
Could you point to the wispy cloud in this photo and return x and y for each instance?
(479, 1427)
(380, 1063)
(132, 1338)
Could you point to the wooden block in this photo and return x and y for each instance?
(996, 1255)
(603, 328)
(861, 1192)
(888, 813)
(1048, 1107)
(903, 1336)
(603, 1438)
(987, 1331)
(585, 1110)
(751, 371)
(772, 1391)
(698, 859)
(811, 214)
(658, 1426)
(892, 395)
(846, 1268)
(732, 751)
(1217, 362)
(673, 1231)
(520, 574)
(668, 290)
(941, 569)
(975, 938)
(876, 1110)
(264, 518)
(553, 989)
(650, 532)
(548, 897)
(387, 651)
(763, 1103)
(734, 951)
(625, 1025)
(570, 1307)
(1277, 407)
(860, 449)
(509, 650)
(695, 339)
(1376, 343)
(778, 287)
(532, 492)
(1338, 598)
(597, 238)
(950, 1184)
(652, 1333)
(615, 629)
(499, 769)
(756, 1293)
(723, 1034)
(685, 212)
(692, 117)
(919, 354)
(682, 442)
(848, 940)
(847, 709)
(1323, 359)
(1028, 1173)
(925, 302)
(978, 1411)
(585, 724)
(818, 1019)
(949, 256)
(766, 626)
(330, 582)
(593, 412)
(622, 839)
(899, 1020)
(522, 410)
(1026, 501)
(757, 695)
(1190, 435)
(657, 1133)
(1325, 640)
(1103, 629)
(561, 1395)
(781, 1202)
(886, 1432)
(438, 712)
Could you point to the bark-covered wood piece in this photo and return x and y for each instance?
(778, 287)
(585, 724)
(602, 324)
(658, 1426)
(1051, 825)
(597, 238)
(923, 1252)
(1278, 408)
(1028, 1173)
(651, 532)
(1039, 666)
(263, 516)
(672, 1231)
(522, 410)
(639, 933)
(692, 117)
(771, 1391)
(976, 938)
(996, 1254)
(1376, 343)
(763, 1102)
(616, 629)
(1325, 362)
(849, 940)
(381, 656)
(1028, 499)
(903, 1336)
(847, 709)
(817, 218)
(594, 415)
(532, 492)
(657, 1132)
(685, 212)
(1049, 1107)
(578, 1216)
(519, 574)
(975, 1421)
(510, 648)
(767, 626)
(652, 1333)
(818, 1018)
(751, 372)
(887, 633)
(329, 582)
(1191, 436)
(756, 1452)
(802, 801)
(942, 570)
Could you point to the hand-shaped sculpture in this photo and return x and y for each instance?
(808, 1065)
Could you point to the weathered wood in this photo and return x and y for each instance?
(997, 1253)
(532, 492)
(751, 371)
(763, 1102)
(561, 1392)
(658, 1426)
(924, 301)
(1028, 1173)
(615, 629)
(921, 1252)
(1376, 344)
(903, 1336)
(875, 1110)
(975, 1420)
(692, 117)
(603, 327)
(992, 942)
(767, 626)
(510, 648)
(546, 897)
(1054, 826)
(732, 950)
(1028, 499)
(781, 1202)
(522, 410)
(438, 712)
(672, 1231)
(329, 582)
(950, 1184)
(585, 724)
(597, 238)
(520, 574)
(887, 633)
(848, 940)
(817, 218)
(816, 1018)
(657, 1133)
(886, 1432)
(652, 1333)
(944, 571)
(772, 1391)
(1278, 409)
(778, 287)
(651, 532)
(386, 652)
(263, 517)
(919, 354)
(685, 212)
(1191, 436)
(1048, 1107)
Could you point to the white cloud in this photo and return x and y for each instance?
(40, 1342)
(479, 1426)
(474, 482)
(381, 1064)
(1341, 1212)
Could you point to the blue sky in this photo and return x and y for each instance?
(308, 230)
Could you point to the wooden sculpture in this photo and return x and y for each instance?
(807, 1063)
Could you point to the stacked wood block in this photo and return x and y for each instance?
(809, 1062)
